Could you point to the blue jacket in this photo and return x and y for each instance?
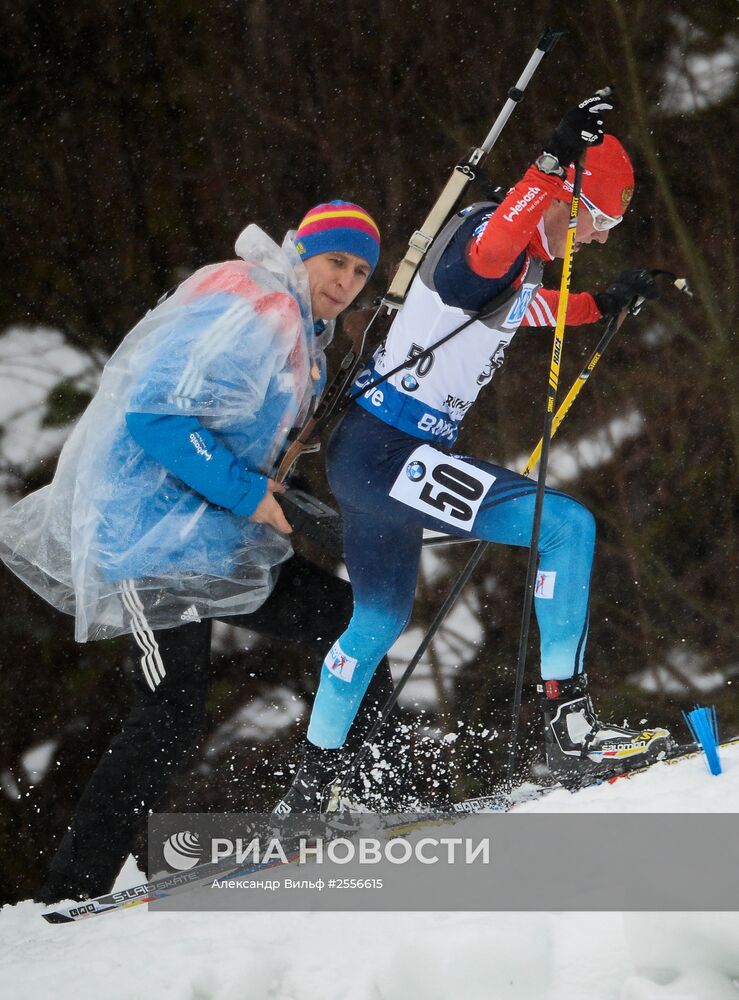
(155, 486)
(205, 421)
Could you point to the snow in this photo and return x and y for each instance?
(568, 461)
(32, 361)
(258, 720)
(400, 956)
(455, 645)
(684, 670)
(695, 80)
(37, 760)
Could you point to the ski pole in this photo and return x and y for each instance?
(612, 327)
(533, 562)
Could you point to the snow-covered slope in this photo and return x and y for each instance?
(399, 956)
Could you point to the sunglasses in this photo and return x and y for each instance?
(601, 221)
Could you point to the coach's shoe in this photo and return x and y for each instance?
(580, 748)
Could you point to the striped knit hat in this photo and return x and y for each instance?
(338, 225)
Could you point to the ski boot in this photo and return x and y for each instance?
(580, 748)
(311, 790)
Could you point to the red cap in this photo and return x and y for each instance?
(608, 179)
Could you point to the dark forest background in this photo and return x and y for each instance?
(140, 138)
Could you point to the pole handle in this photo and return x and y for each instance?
(549, 39)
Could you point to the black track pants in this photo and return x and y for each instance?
(170, 682)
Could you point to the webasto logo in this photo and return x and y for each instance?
(521, 204)
(182, 851)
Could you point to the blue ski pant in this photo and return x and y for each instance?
(383, 537)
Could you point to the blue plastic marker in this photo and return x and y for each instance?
(703, 725)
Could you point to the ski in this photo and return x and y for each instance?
(205, 874)
(504, 801)
(157, 888)
(202, 875)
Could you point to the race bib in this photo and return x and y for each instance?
(443, 486)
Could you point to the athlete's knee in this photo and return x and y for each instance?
(581, 519)
(378, 628)
(566, 519)
(341, 604)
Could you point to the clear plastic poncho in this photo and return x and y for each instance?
(234, 347)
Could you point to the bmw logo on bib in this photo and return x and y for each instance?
(416, 471)
(409, 383)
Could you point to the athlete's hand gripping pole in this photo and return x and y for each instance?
(612, 327)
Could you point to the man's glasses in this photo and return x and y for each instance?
(601, 221)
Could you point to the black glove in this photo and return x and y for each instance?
(580, 128)
(628, 286)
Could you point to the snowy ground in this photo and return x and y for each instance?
(399, 956)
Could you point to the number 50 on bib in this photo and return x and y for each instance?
(443, 486)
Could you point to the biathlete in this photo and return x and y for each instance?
(392, 469)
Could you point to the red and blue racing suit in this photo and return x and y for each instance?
(392, 473)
